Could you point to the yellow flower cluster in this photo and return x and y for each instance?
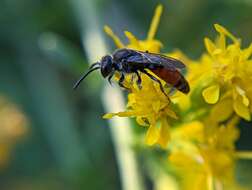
(149, 105)
(13, 125)
(200, 141)
(228, 71)
(204, 155)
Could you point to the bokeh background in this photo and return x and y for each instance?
(52, 137)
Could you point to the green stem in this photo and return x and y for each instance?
(247, 155)
(111, 97)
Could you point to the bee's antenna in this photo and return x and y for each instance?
(86, 74)
(94, 64)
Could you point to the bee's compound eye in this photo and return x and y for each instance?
(106, 65)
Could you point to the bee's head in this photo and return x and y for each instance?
(106, 65)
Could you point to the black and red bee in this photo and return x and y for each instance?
(126, 61)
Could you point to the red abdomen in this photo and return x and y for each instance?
(173, 77)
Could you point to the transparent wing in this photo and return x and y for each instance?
(146, 57)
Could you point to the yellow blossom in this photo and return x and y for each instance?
(201, 143)
(163, 181)
(148, 104)
(205, 155)
(228, 71)
(202, 147)
(13, 126)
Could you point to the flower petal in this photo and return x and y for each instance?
(242, 93)
(152, 135)
(120, 114)
(222, 110)
(171, 113)
(110, 33)
(211, 94)
(247, 52)
(108, 115)
(164, 135)
(245, 100)
(210, 46)
(224, 31)
(132, 39)
(190, 131)
(241, 109)
(155, 22)
(221, 41)
(156, 106)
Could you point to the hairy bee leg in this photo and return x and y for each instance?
(156, 80)
(121, 82)
(139, 80)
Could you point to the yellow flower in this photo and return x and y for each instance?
(150, 44)
(164, 182)
(205, 155)
(227, 72)
(149, 105)
(13, 126)
(201, 146)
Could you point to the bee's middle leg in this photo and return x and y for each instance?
(139, 80)
(122, 78)
(110, 77)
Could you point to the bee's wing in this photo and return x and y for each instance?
(177, 63)
(152, 58)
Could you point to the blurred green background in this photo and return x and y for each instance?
(67, 144)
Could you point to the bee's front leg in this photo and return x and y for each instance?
(110, 77)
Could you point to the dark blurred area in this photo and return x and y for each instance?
(67, 144)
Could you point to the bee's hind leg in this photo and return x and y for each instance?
(156, 80)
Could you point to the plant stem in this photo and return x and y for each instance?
(247, 155)
(112, 98)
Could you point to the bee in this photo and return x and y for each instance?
(129, 61)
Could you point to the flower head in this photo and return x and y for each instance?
(204, 155)
(148, 104)
(227, 71)
(201, 146)
(13, 127)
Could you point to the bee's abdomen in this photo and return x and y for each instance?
(173, 77)
(182, 85)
